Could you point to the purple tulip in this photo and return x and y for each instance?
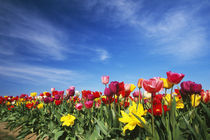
(107, 92)
(189, 87)
(51, 99)
(46, 100)
(196, 88)
(114, 86)
(91, 97)
(57, 97)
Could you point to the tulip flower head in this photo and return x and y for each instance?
(153, 85)
(52, 89)
(107, 92)
(205, 96)
(166, 83)
(174, 78)
(189, 87)
(105, 80)
(79, 106)
(88, 104)
(140, 83)
(77, 93)
(114, 86)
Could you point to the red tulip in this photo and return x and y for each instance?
(79, 106)
(88, 104)
(105, 79)
(153, 85)
(205, 96)
(157, 109)
(58, 102)
(174, 78)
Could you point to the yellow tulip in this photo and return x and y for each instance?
(179, 102)
(195, 100)
(68, 120)
(33, 94)
(166, 83)
(8, 103)
(130, 120)
(40, 106)
(132, 87)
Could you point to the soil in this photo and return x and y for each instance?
(6, 134)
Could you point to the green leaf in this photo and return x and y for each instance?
(102, 127)
(58, 135)
(144, 125)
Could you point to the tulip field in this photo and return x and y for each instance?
(158, 108)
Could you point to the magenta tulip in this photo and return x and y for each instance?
(105, 79)
(114, 86)
(153, 85)
(88, 104)
(91, 97)
(189, 87)
(174, 78)
(136, 94)
(57, 97)
(107, 92)
(196, 88)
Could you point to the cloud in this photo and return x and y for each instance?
(31, 32)
(40, 74)
(103, 54)
(176, 32)
(29, 35)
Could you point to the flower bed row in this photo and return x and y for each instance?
(158, 109)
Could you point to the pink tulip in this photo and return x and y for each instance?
(105, 79)
(72, 88)
(88, 104)
(127, 87)
(174, 78)
(79, 106)
(153, 85)
(52, 89)
(136, 94)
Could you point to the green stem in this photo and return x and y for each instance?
(171, 96)
(152, 116)
(139, 95)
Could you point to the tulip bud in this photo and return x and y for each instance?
(140, 82)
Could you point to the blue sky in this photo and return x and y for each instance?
(60, 43)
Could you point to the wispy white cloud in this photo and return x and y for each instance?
(36, 36)
(41, 74)
(177, 32)
(103, 54)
